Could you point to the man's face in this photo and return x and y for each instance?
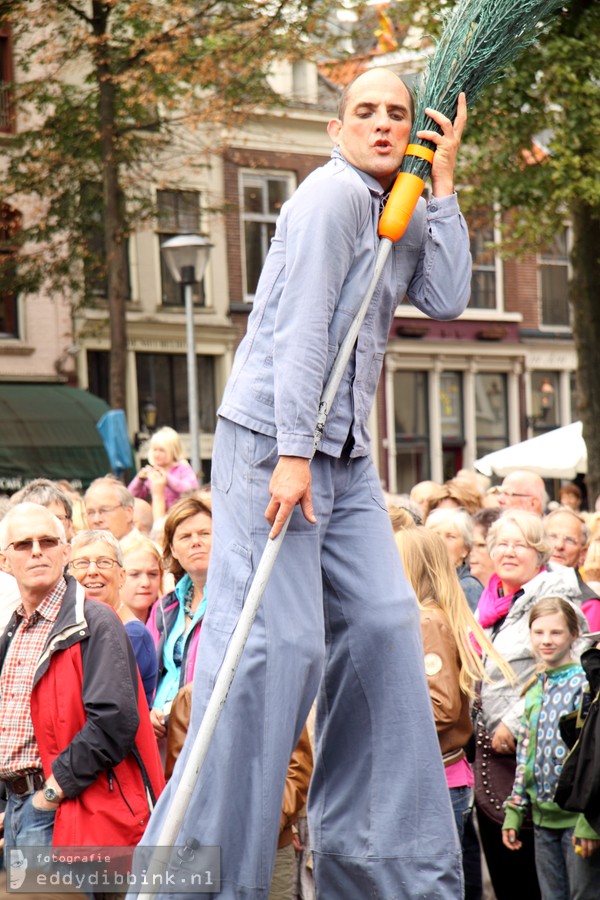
(96, 569)
(17, 868)
(565, 533)
(104, 510)
(517, 493)
(60, 512)
(374, 132)
(31, 554)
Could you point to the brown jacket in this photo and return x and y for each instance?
(296, 788)
(442, 666)
(179, 720)
(298, 774)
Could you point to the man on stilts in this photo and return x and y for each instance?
(337, 613)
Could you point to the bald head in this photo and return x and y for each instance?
(365, 78)
(524, 490)
(374, 124)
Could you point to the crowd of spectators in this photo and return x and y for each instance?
(132, 580)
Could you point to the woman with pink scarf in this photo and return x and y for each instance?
(518, 546)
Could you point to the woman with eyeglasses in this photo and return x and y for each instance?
(520, 550)
(97, 564)
(176, 619)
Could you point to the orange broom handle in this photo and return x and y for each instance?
(403, 197)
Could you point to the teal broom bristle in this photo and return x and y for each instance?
(479, 40)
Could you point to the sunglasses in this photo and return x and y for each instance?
(26, 546)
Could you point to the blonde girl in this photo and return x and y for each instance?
(143, 583)
(435, 583)
(453, 664)
(168, 475)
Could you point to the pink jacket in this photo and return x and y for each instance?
(180, 478)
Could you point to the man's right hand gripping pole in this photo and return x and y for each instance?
(290, 484)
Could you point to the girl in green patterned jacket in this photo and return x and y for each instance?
(566, 847)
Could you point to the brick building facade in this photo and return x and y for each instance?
(449, 392)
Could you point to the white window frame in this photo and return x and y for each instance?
(542, 261)
(258, 177)
(497, 268)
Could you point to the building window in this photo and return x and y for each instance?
(178, 212)
(554, 281)
(451, 419)
(545, 400)
(263, 195)
(98, 366)
(162, 380)
(483, 280)
(10, 223)
(7, 113)
(491, 412)
(411, 415)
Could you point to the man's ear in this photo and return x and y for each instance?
(5, 564)
(333, 129)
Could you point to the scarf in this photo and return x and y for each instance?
(492, 606)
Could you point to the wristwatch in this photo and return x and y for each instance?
(51, 795)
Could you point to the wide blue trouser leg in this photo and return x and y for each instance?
(379, 808)
(363, 822)
(237, 802)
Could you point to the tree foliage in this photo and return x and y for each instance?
(549, 95)
(547, 101)
(533, 145)
(105, 90)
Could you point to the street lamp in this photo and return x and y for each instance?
(186, 256)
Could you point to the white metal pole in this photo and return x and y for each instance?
(192, 380)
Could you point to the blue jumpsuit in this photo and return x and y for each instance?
(338, 615)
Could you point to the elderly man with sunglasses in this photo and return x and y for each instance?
(77, 751)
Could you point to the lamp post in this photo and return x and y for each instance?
(186, 256)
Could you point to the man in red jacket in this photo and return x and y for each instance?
(78, 756)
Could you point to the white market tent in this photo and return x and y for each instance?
(560, 453)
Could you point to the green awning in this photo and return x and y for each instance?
(49, 431)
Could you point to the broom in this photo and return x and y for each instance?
(480, 38)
